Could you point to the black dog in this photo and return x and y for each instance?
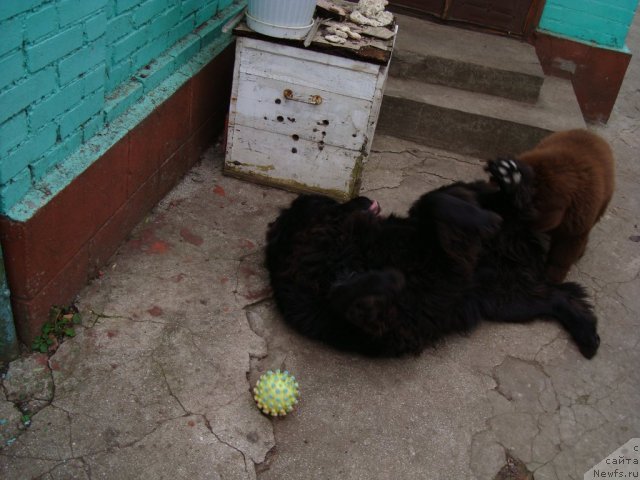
(389, 286)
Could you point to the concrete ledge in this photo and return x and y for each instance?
(596, 73)
(431, 53)
(50, 256)
(473, 123)
(466, 76)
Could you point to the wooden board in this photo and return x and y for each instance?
(312, 69)
(339, 120)
(270, 156)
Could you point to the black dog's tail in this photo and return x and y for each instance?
(574, 312)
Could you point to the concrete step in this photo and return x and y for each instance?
(474, 123)
(465, 59)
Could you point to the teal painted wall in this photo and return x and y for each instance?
(601, 22)
(70, 68)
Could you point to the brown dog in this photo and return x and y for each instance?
(574, 181)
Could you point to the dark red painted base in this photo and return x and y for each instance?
(50, 257)
(596, 73)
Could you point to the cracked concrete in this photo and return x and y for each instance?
(156, 383)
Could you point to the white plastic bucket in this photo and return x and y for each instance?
(281, 18)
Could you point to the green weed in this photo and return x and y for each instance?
(60, 325)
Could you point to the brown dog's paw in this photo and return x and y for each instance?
(505, 172)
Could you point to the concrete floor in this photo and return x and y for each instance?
(157, 382)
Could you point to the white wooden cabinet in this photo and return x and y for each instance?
(300, 119)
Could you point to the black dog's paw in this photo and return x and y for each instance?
(589, 344)
(587, 339)
(505, 172)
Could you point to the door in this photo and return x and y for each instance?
(504, 15)
(432, 7)
(508, 16)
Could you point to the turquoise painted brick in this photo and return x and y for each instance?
(119, 27)
(18, 97)
(190, 6)
(210, 31)
(206, 13)
(163, 23)
(11, 68)
(611, 40)
(610, 11)
(92, 126)
(20, 157)
(93, 80)
(126, 96)
(207, 52)
(596, 21)
(10, 8)
(12, 132)
(222, 4)
(95, 26)
(148, 10)
(597, 30)
(129, 44)
(597, 6)
(12, 191)
(40, 23)
(53, 48)
(181, 29)
(157, 71)
(551, 25)
(185, 49)
(12, 33)
(147, 53)
(51, 107)
(73, 10)
(78, 115)
(116, 74)
(123, 5)
(81, 61)
(55, 155)
(110, 9)
(595, 12)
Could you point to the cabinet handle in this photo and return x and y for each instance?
(312, 99)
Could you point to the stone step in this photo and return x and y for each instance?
(465, 59)
(473, 123)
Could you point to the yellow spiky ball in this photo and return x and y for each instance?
(276, 393)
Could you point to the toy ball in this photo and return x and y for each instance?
(276, 393)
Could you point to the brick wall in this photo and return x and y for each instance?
(602, 22)
(69, 68)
